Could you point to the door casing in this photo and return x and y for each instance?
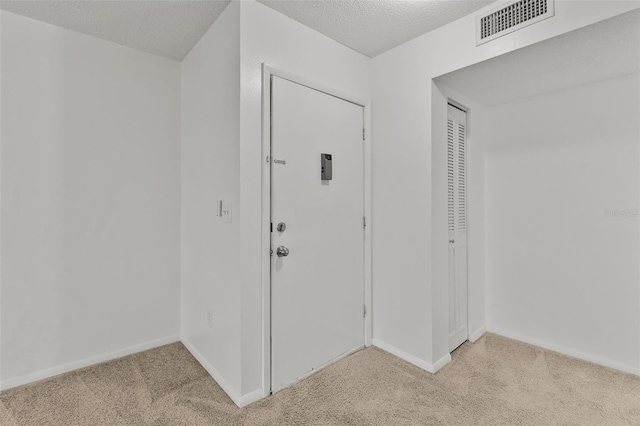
(267, 73)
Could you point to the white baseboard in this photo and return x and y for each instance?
(565, 351)
(473, 337)
(75, 365)
(250, 398)
(441, 363)
(239, 400)
(431, 368)
(222, 382)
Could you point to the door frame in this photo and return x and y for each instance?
(267, 73)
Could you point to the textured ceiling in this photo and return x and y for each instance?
(170, 28)
(602, 51)
(165, 28)
(372, 27)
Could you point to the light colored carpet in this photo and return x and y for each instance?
(496, 381)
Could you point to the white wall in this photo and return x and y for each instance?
(91, 196)
(210, 171)
(268, 36)
(560, 272)
(90, 200)
(409, 284)
(222, 159)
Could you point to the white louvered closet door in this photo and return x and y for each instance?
(457, 224)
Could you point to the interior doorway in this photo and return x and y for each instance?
(526, 233)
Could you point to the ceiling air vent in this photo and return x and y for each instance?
(513, 17)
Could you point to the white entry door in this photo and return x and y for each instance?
(317, 265)
(457, 223)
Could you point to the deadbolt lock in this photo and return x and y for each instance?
(281, 227)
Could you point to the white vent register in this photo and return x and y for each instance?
(513, 17)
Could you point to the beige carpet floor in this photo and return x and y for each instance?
(495, 381)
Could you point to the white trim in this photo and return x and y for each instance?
(239, 400)
(473, 337)
(76, 365)
(250, 398)
(267, 72)
(266, 231)
(220, 380)
(565, 351)
(368, 245)
(437, 366)
(412, 359)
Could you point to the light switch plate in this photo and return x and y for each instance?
(226, 212)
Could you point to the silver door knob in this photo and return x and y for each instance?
(282, 251)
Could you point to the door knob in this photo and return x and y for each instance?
(282, 251)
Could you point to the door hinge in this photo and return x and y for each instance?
(364, 311)
(364, 222)
(364, 134)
